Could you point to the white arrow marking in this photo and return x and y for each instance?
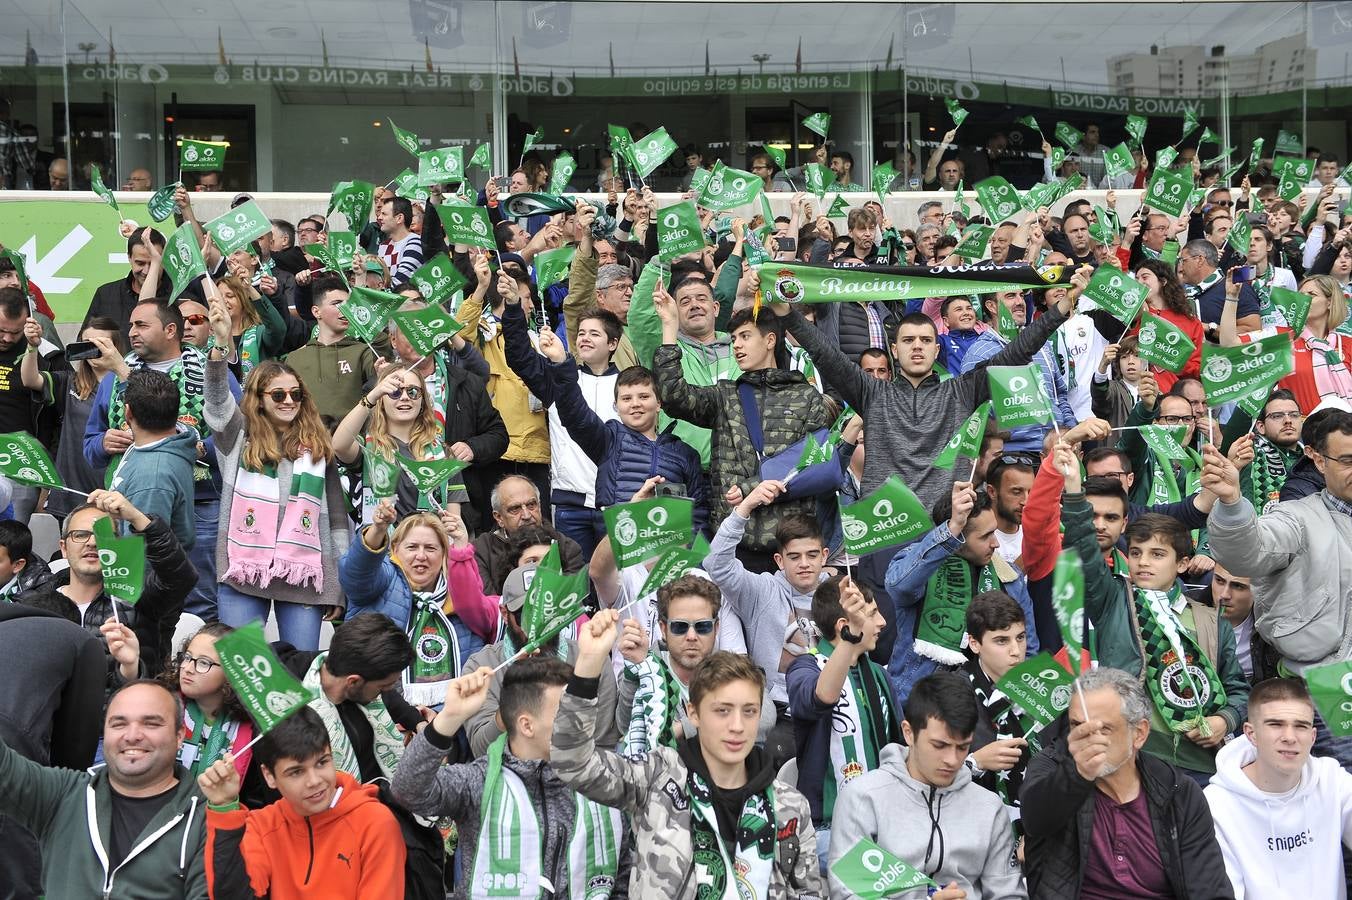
(43, 271)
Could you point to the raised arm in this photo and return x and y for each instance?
(696, 404)
(839, 372)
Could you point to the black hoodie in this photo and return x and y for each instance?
(728, 802)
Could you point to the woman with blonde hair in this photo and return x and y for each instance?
(399, 420)
(286, 525)
(257, 329)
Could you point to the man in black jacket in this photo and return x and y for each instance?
(117, 299)
(1105, 821)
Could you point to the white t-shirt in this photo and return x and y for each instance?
(1011, 545)
(730, 634)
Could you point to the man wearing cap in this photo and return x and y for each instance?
(484, 726)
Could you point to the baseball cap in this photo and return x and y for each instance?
(515, 587)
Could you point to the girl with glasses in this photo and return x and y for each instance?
(257, 329)
(214, 720)
(286, 525)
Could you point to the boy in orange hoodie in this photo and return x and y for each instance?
(328, 836)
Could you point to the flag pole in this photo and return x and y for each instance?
(258, 737)
(511, 659)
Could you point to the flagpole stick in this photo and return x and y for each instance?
(972, 477)
(70, 491)
(258, 737)
(1084, 706)
(115, 616)
(509, 660)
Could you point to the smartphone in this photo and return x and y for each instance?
(669, 489)
(1242, 274)
(82, 350)
(787, 244)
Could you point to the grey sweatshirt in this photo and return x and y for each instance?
(972, 841)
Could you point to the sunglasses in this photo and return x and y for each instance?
(1020, 459)
(678, 627)
(280, 394)
(413, 393)
(195, 319)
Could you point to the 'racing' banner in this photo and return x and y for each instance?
(791, 283)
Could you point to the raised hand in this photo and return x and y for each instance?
(219, 782)
(964, 499)
(762, 494)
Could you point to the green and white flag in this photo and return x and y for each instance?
(354, 200)
(325, 259)
(553, 602)
(674, 564)
(1164, 344)
(1255, 153)
(1209, 137)
(532, 140)
(552, 266)
(1068, 604)
(794, 283)
(889, 516)
(97, 185)
(1103, 228)
(1190, 122)
(646, 528)
(1168, 191)
(1068, 135)
(1165, 441)
(481, 159)
(342, 247)
(1040, 686)
(406, 139)
(818, 179)
(1289, 142)
(368, 312)
(883, 175)
(561, 173)
(1118, 161)
(441, 165)
(729, 188)
(1019, 396)
(1004, 322)
(622, 146)
(974, 240)
(161, 203)
(1239, 235)
(813, 454)
(468, 225)
(429, 475)
(201, 156)
(1058, 157)
(997, 197)
(1136, 129)
(839, 208)
(1295, 307)
(1164, 157)
(25, 460)
(1219, 157)
(438, 279)
(1113, 290)
(653, 150)
(238, 227)
(1039, 195)
(406, 186)
(123, 560)
(775, 153)
(1229, 373)
(1294, 173)
(182, 261)
(426, 329)
(956, 112)
(966, 441)
(679, 231)
(1030, 122)
(871, 873)
(1331, 689)
(818, 123)
(268, 692)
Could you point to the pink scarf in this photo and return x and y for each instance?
(1330, 378)
(257, 548)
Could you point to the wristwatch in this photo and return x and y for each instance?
(849, 636)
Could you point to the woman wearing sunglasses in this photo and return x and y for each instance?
(287, 526)
(398, 419)
(213, 718)
(257, 330)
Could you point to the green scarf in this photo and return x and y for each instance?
(1262, 286)
(1263, 478)
(250, 350)
(862, 721)
(744, 873)
(217, 739)
(436, 648)
(941, 629)
(189, 375)
(509, 861)
(389, 745)
(1182, 681)
(656, 708)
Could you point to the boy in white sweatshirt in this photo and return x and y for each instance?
(1281, 815)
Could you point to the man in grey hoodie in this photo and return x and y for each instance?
(968, 848)
(155, 474)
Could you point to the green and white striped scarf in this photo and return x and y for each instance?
(862, 721)
(389, 745)
(656, 717)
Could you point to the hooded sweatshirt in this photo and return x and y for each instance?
(352, 849)
(157, 479)
(1281, 845)
(958, 833)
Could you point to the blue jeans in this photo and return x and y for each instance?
(202, 599)
(582, 524)
(297, 623)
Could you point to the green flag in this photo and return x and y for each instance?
(482, 158)
(438, 279)
(406, 139)
(1239, 235)
(1168, 191)
(1190, 122)
(839, 208)
(966, 441)
(974, 240)
(1136, 128)
(1164, 441)
(813, 454)
(1229, 373)
(321, 253)
(23, 459)
(817, 178)
(354, 200)
(871, 873)
(1030, 122)
(959, 204)
(1102, 229)
(1019, 396)
(1219, 157)
(793, 283)
(1165, 157)
(406, 185)
(997, 197)
(468, 225)
(123, 560)
(729, 188)
(237, 228)
(441, 165)
(1164, 344)
(653, 150)
(201, 156)
(776, 154)
(532, 140)
(679, 231)
(97, 185)
(1209, 137)
(368, 312)
(622, 146)
(1331, 689)
(426, 329)
(552, 266)
(955, 112)
(1289, 142)
(1040, 687)
(1295, 307)
(1068, 604)
(161, 203)
(1113, 290)
(1058, 157)
(674, 564)
(889, 516)
(646, 528)
(1039, 195)
(182, 261)
(883, 175)
(1004, 322)
(429, 475)
(342, 247)
(818, 123)
(1255, 153)
(268, 692)
(1068, 135)
(20, 269)
(561, 173)
(553, 602)
(1118, 161)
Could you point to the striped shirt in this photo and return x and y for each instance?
(403, 257)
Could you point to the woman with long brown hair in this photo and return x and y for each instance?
(1166, 299)
(286, 524)
(257, 329)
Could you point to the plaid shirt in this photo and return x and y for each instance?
(1336, 504)
(18, 158)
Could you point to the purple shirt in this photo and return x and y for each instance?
(1124, 860)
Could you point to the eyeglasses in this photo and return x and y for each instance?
(1220, 202)
(280, 395)
(1019, 459)
(79, 536)
(200, 664)
(413, 393)
(1343, 462)
(907, 245)
(1118, 475)
(1177, 420)
(624, 287)
(195, 319)
(678, 627)
(517, 509)
(1279, 416)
